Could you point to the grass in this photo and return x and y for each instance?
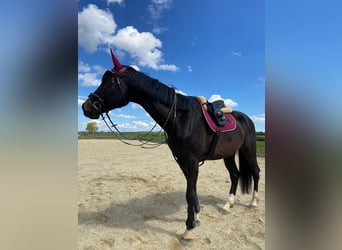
(157, 137)
(260, 148)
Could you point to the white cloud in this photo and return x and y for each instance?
(214, 98)
(258, 118)
(235, 53)
(83, 67)
(81, 100)
(181, 92)
(99, 69)
(115, 1)
(135, 67)
(142, 46)
(95, 26)
(88, 79)
(130, 39)
(157, 7)
(126, 126)
(169, 67)
(89, 75)
(125, 116)
(141, 124)
(189, 68)
(134, 125)
(136, 106)
(228, 102)
(158, 30)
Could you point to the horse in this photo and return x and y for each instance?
(188, 135)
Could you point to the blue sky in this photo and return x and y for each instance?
(210, 48)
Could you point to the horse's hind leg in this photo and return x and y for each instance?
(234, 177)
(255, 172)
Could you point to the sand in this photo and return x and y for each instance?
(134, 198)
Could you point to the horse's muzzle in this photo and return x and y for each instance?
(89, 111)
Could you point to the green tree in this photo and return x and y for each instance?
(92, 127)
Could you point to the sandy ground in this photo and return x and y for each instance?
(134, 198)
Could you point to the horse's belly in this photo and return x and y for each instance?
(224, 149)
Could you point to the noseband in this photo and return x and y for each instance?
(99, 103)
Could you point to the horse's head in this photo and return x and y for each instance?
(110, 94)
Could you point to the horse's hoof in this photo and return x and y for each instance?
(186, 242)
(187, 238)
(253, 206)
(224, 211)
(226, 208)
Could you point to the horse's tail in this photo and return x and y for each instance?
(245, 173)
(247, 155)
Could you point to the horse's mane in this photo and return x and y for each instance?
(158, 90)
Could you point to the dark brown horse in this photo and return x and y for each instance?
(189, 137)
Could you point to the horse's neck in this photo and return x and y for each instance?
(159, 111)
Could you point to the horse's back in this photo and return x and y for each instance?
(244, 120)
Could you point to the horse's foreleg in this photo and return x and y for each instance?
(190, 171)
(191, 195)
(193, 208)
(191, 198)
(197, 205)
(190, 221)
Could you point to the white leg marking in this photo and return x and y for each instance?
(197, 219)
(255, 198)
(230, 202)
(187, 235)
(187, 238)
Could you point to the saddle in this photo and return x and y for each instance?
(216, 110)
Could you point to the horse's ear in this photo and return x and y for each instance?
(116, 63)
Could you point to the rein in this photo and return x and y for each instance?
(144, 142)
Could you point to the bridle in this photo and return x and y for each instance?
(143, 141)
(99, 103)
